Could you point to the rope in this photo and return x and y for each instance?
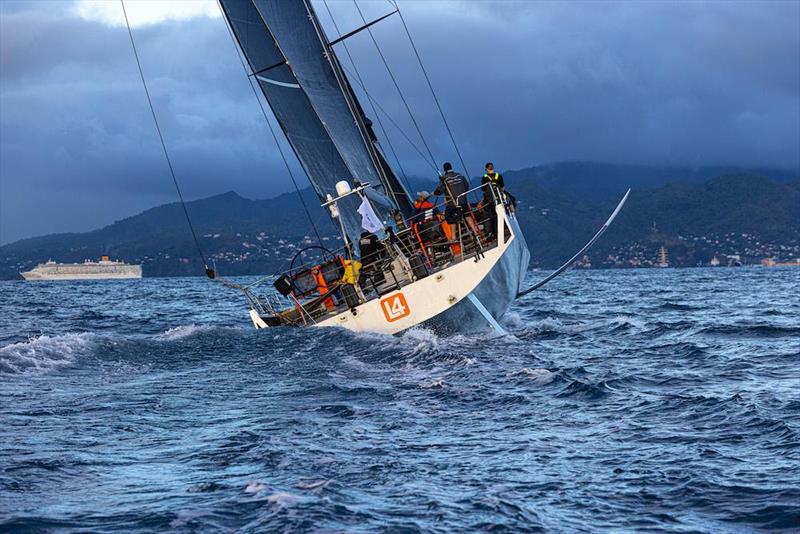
(394, 123)
(430, 86)
(396, 85)
(269, 124)
(372, 104)
(209, 272)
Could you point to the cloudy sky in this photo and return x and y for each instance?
(523, 83)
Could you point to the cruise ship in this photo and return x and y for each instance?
(104, 269)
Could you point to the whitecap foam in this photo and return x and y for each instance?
(436, 383)
(313, 484)
(43, 353)
(628, 320)
(422, 340)
(418, 340)
(513, 319)
(254, 486)
(183, 331)
(538, 375)
(284, 499)
(553, 324)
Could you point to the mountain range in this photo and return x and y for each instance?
(695, 213)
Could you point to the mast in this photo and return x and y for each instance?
(310, 96)
(391, 185)
(344, 85)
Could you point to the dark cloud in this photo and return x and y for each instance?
(522, 83)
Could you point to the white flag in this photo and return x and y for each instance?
(369, 219)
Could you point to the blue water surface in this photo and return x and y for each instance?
(622, 400)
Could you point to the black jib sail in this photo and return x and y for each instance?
(310, 96)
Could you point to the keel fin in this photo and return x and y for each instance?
(486, 315)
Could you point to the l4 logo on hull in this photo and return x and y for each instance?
(395, 307)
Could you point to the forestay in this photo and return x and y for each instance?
(312, 100)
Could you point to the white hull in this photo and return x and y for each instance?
(496, 291)
(445, 300)
(83, 271)
(34, 276)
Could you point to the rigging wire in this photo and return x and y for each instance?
(269, 124)
(374, 112)
(394, 81)
(430, 86)
(394, 123)
(209, 272)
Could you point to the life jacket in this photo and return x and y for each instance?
(322, 286)
(351, 270)
(423, 210)
(493, 179)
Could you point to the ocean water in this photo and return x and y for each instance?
(622, 400)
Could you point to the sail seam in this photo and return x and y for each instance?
(281, 84)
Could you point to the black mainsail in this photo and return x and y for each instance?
(309, 94)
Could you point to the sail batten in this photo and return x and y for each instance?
(312, 100)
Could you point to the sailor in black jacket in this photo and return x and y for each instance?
(452, 185)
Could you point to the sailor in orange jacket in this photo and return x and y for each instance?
(322, 286)
(422, 205)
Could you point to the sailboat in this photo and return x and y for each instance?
(454, 266)
(455, 270)
(450, 273)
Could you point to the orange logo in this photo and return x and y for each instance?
(395, 307)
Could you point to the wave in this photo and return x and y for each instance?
(626, 322)
(417, 347)
(680, 349)
(184, 331)
(754, 330)
(44, 353)
(552, 327)
(49, 352)
(677, 306)
(586, 390)
(538, 375)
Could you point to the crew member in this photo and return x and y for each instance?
(422, 205)
(426, 219)
(453, 185)
(322, 286)
(496, 179)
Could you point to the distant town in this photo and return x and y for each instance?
(243, 252)
(686, 218)
(731, 250)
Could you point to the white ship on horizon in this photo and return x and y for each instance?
(105, 269)
(663, 257)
